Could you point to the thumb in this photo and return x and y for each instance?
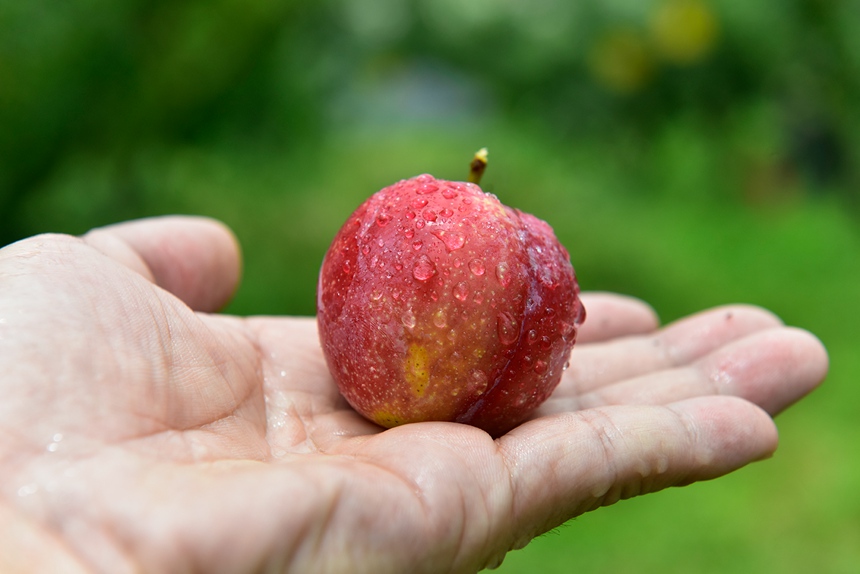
(195, 258)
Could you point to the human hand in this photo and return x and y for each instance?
(139, 432)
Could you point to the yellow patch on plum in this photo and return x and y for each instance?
(417, 368)
(386, 419)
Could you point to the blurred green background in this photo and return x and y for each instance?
(688, 152)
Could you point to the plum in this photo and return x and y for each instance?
(437, 302)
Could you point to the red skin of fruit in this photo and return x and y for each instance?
(437, 302)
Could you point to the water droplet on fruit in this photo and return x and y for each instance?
(347, 268)
(376, 295)
(429, 215)
(479, 298)
(476, 266)
(531, 337)
(457, 263)
(382, 219)
(461, 291)
(408, 320)
(439, 319)
(420, 223)
(545, 343)
(566, 365)
(566, 329)
(410, 215)
(423, 269)
(417, 244)
(503, 274)
(479, 381)
(540, 367)
(528, 360)
(365, 250)
(395, 293)
(426, 188)
(380, 242)
(449, 193)
(446, 213)
(508, 330)
(418, 203)
(453, 240)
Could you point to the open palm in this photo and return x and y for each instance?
(140, 432)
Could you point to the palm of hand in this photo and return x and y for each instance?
(170, 439)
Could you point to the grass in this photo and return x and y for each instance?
(681, 239)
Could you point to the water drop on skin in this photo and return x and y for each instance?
(408, 320)
(507, 326)
(418, 203)
(566, 329)
(503, 274)
(476, 266)
(449, 193)
(446, 213)
(461, 291)
(382, 219)
(423, 269)
(417, 244)
(540, 367)
(426, 187)
(479, 381)
(453, 240)
(439, 319)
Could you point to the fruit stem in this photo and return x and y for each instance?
(478, 165)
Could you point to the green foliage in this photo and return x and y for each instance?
(688, 152)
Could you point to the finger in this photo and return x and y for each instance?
(772, 368)
(566, 465)
(680, 343)
(197, 259)
(609, 315)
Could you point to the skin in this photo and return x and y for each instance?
(141, 433)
